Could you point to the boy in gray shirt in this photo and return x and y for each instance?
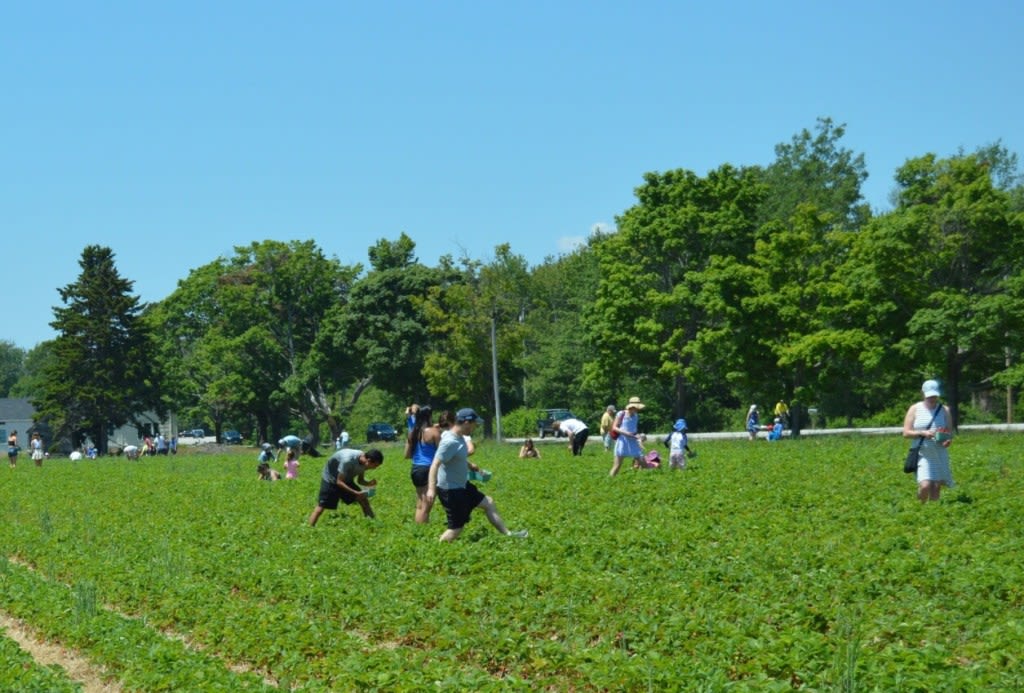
(449, 481)
(341, 478)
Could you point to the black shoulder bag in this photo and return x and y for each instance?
(910, 464)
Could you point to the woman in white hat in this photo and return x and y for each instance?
(627, 437)
(930, 421)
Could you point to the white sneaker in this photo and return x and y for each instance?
(519, 534)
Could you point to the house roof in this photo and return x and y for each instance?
(16, 409)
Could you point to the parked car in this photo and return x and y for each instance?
(193, 433)
(381, 431)
(545, 424)
(231, 438)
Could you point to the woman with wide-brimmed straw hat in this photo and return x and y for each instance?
(627, 436)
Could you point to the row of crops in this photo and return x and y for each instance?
(801, 564)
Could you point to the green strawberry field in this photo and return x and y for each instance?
(798, 565)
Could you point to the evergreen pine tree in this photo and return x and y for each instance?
(101, 375)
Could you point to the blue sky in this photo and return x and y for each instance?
(173, 132)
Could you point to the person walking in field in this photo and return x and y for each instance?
(342, 479)
(449, 481)
(931, 421)
(420, 447)
(627, 441)
(678, 445)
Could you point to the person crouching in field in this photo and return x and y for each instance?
(449, 480)
(266, 473)
(341, 480)
(577, 432)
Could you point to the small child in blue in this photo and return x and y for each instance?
(776, 432)
(678, 445)
(266, 454)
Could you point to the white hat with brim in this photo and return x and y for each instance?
(634, 403)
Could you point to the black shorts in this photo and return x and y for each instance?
(330, 494)
(459, 503)
(420, 475)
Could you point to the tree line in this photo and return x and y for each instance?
(746, 284)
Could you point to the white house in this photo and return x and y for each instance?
(18, 415)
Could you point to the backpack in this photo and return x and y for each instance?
(618, 422)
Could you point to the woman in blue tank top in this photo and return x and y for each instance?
(420, 447)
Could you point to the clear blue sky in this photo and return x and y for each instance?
(173, 132)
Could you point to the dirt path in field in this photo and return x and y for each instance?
(77, 667)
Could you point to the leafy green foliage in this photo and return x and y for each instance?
(12, 366)
(19, 672)
(99, 374)
(752, 569)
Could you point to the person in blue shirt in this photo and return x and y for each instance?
(776, 432)
(448, 480)
(290, 442)
(753, 422)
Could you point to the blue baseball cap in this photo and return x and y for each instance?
(466, 414)
(680, 425)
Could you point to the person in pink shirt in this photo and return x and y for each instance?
(291, 465)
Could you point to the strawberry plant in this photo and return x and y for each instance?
(801, 564)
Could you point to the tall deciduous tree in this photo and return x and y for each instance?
(554, 349)
(460, 314)
(243, 333)
(938, 273)
(12, 366)
(663, 318)
(101, 375)
(813, 168)
(381, 332)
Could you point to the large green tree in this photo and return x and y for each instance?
(561, 293)
(662, 323)
(813, 168)
(935, 278)
(461, 316)
(12, 366)
(381, 334)
(243, 335)
(101, 375)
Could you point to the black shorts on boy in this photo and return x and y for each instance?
(459, 503)
(331, 493)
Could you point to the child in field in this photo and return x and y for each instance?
(266, 473)
(37, 449)
(677, 442)
(291, 465)
(266, 453)
(341, 478)
(529, 450)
